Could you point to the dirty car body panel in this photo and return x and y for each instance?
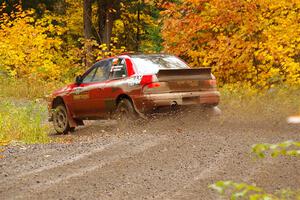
(149, 81)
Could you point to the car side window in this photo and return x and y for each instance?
(89, 77)
(100, 72)
(118, 69)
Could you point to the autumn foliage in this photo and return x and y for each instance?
(253, 41)
(33, 48)
(48, 45)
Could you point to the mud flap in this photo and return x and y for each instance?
(143, 116)
(72, 122)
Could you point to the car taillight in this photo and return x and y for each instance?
(153, 85)
(212, 82)
(147, 79)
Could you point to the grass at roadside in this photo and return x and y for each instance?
(246, 103)
(23, 113)
(23, 121)
(24, 89)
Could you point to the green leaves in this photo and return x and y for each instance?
(241, 191)
(252, 192)
(235, 191)
(287, 148)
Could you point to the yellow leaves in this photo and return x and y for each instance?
(102, 51)
(31, 48)
(3, 143)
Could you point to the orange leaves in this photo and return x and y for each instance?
(253, 41)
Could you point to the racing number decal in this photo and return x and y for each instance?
(135, 80)
(81, 96)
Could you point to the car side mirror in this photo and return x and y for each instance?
(78, 80)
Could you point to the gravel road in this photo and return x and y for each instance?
(167, 158)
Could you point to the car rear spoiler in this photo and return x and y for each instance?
(175, 74)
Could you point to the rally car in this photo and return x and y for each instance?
(131, 85)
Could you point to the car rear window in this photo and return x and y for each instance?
(151, 64)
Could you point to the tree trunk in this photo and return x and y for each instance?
(101, 19)
(87, 21)
(108, 28)
(138, 27)
(108, 12)
(87, 18)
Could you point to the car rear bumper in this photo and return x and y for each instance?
(149, 102)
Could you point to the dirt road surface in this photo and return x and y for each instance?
(167, 158)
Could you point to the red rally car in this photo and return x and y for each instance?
(132, 85)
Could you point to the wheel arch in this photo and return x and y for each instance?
(58, 101)
(123, 96)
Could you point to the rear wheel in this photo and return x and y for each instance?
(60, 120)
(125, 111)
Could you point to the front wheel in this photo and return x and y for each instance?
(60, 120)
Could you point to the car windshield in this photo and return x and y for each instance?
(151, 64)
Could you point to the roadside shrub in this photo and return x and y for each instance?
(33, 48)
(23, 121)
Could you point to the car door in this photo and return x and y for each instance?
(88, 96)
(115, 83)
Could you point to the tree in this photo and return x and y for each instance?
(87, 21)
(40, 6)
(37, 51)
(253, 41)
(108, 12)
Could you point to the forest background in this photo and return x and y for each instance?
(250, 42)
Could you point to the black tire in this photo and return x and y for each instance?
(125, 111)
(60, 120)
(72, 129)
